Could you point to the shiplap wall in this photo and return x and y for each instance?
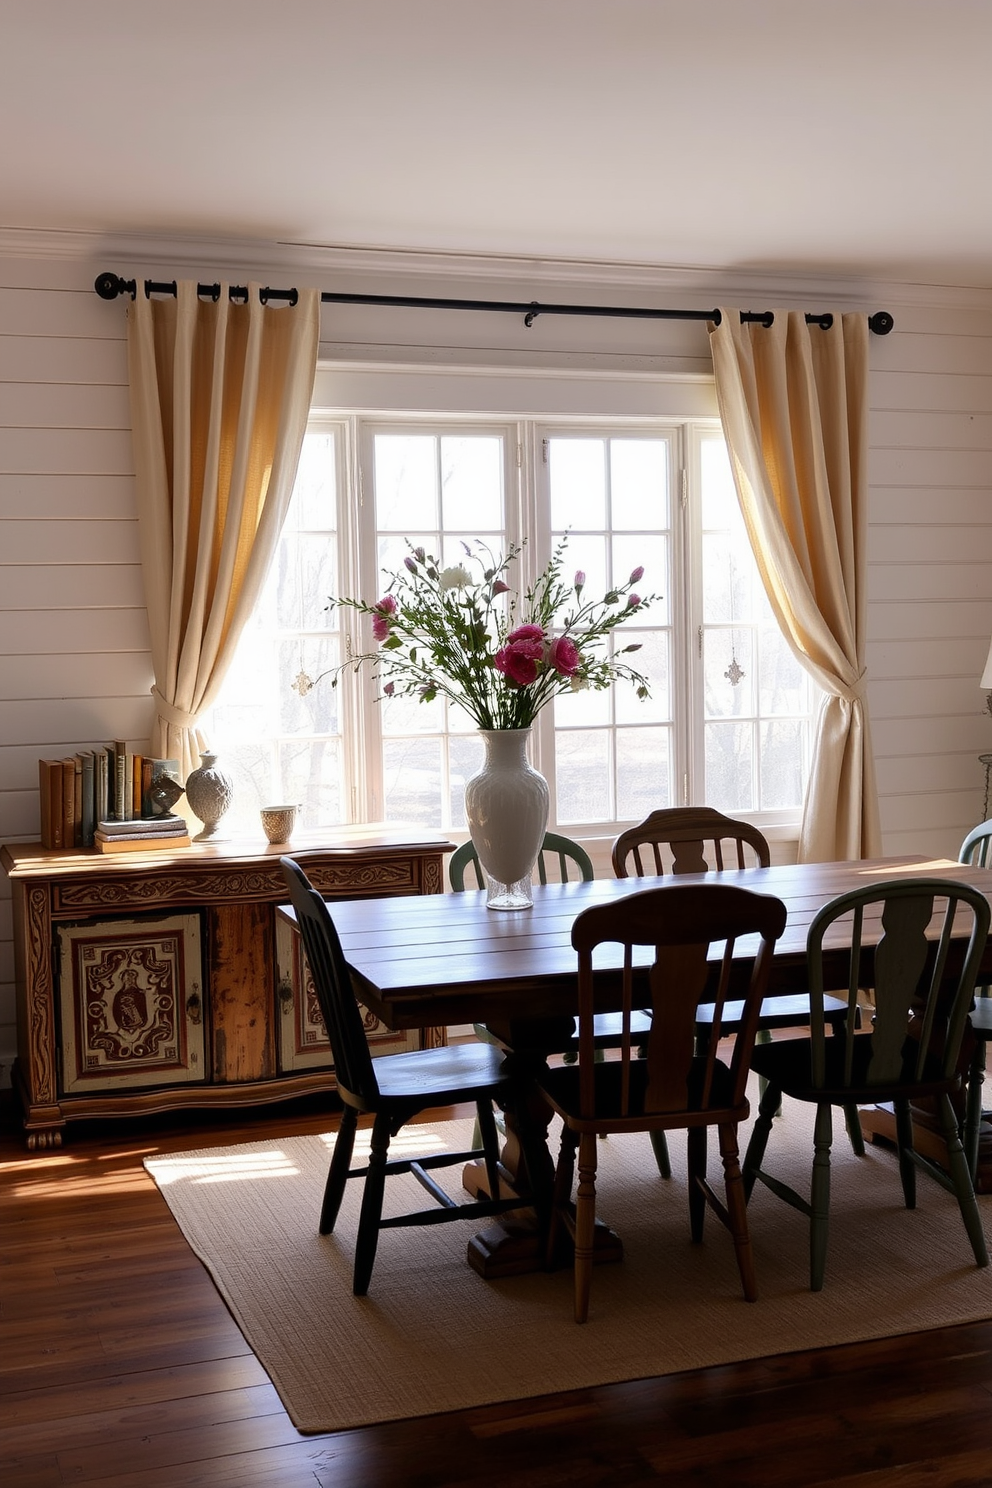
(74, 662)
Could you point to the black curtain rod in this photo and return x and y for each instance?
(109, 286)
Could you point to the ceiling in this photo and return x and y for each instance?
(840, 136)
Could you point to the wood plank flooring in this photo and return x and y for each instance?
(120, 1366)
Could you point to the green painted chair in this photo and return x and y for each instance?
(910, 1053)
(977, 850)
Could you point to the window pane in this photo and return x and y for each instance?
(466, 756)
(472, 484)
(578, 483)
(721, 507)
(644, 772)
(784, 685)
(310, 774)
(583, 773)
(652, 661)
(729, 751)
(406, 481)
(412, 781)
(639, 484)
(728, 654)
(782, 776)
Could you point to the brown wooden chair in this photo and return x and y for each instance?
(676, 1084)
(698, 839)
(393, 1089)
(910, 1053)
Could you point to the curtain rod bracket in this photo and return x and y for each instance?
(108, 286)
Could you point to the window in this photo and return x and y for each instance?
(728, 719)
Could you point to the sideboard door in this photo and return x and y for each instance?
(303, 1042)
(130, 1003)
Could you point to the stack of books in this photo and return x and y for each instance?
(141, 834)
(106, 784)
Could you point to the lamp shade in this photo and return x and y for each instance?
(987, 674)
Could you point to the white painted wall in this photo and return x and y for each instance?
(74, 663)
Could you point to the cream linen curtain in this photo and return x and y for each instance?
(793, 400)
(220, 395)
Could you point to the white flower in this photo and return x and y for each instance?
(578, 683)
(454, 578)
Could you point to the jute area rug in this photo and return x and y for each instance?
(433, 1336)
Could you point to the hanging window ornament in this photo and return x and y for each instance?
(735, 673)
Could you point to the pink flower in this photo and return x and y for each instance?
(410, 563)
(389, 688)
(519, 658)
(500, 588)
(636, 576)
(526, 633)
(563, 655)
(382, 613)
(579, 579)
(633, 600)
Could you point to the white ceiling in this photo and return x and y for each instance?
(846, 136)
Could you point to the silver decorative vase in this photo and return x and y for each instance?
(506, 806)
(209, 792)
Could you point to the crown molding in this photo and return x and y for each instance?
(358, 269)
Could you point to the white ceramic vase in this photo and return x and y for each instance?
(506, 806)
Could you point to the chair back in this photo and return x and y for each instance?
(572, 860)
(688, 839)
(919, 943)
(678, 925)
(353, 1067)
(977, 846)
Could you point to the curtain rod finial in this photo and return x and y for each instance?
(109, 286)
(881, 322)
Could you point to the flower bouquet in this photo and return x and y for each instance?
(460, 632)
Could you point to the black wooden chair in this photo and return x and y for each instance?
(676, 1084)
(909, 1054)
(393, 1089)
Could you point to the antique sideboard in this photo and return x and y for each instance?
(157, 980)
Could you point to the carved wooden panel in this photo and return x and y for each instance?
(131, 1003)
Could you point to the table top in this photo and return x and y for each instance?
(446, 958)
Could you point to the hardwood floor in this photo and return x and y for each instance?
(121, 1366)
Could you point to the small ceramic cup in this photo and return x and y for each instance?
(278, 822)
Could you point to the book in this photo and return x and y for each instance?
(87, 759)
(139, 842)
(68, 802)
(153, 826)
(50, 791)
(136, 777)
(120, 750)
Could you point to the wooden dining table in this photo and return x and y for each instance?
(448, 959)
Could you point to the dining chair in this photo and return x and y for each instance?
(977, 850)
(571, 861)
(909, 1053)
(677, 1084)
(392, 1089)
(699, 839)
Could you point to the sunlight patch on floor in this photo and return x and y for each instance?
(218, 1167)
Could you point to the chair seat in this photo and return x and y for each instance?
(561, 1086)
(461, 1072)
(784, 1010)
(787, 1065)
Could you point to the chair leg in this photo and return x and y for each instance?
(963, 1186)
(585, 1224)
(819, 1220)
(973, 1108)
(337, 1177)
(659, 1145)
(904, 1144)
(368, 1222)
(767, 1106)
(852, 1121)
(489, 1142)
(696, 1164)
(562, 1192)
(737, 1211)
